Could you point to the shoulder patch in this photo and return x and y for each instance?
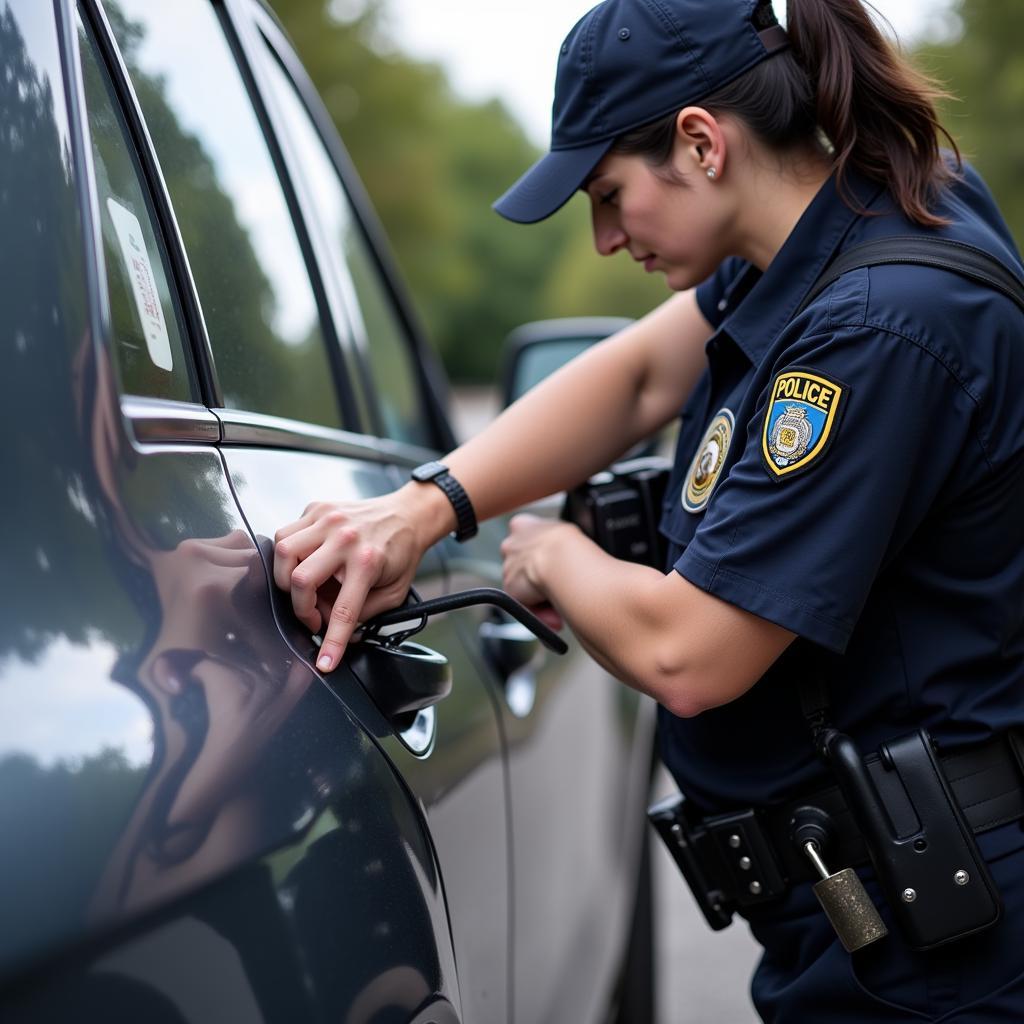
(804, 407)
(708, 462)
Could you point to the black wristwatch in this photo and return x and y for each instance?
(465, 517)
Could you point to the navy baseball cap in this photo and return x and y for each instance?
(627, 63)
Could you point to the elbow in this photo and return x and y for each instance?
(687, 691)
(684, 703)
(675, 687)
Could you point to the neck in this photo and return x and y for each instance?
(772, 200)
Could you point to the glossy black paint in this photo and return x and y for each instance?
(165, 757)
(194, 824)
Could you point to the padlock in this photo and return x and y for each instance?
(846, 904)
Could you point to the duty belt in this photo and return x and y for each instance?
(749, 857)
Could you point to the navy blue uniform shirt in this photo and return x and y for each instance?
(856, 476)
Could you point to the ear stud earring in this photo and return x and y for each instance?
(712, 173)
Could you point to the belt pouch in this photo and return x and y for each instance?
(924, 852)
(684, 842)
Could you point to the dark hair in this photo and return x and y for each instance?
(842, 76)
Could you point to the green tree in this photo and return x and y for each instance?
(983, 66)
(433, 164)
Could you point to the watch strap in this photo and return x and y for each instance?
(465, 516)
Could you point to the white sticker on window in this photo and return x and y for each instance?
(140, 272)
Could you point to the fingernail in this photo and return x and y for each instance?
(324, 663)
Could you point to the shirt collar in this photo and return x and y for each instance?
(768, 300)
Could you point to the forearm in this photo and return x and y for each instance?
(612, 607)
(689, 650)
(580, 419)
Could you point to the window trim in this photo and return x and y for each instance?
(260, 430)
(430, 376)
(94, 264)
(161, 419)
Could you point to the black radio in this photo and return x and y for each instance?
(620, 508)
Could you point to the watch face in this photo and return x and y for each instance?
(428, 471)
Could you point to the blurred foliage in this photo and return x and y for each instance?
(983, 66)
(433, 163)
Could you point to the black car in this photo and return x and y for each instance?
(201, 334)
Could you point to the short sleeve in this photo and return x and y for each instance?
(713, 294)
(807, 519)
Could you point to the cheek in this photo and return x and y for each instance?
(695, 243)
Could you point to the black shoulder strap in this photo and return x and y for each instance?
(957, 257)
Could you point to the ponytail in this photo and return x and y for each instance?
(843, 78)
(876, 109)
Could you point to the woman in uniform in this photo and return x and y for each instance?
(845, 501)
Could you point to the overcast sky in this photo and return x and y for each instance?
(508, 47)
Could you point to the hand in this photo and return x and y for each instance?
(524, 551)
(345, 562)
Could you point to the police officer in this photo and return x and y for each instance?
(849, 475)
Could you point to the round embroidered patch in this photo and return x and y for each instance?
(708, 462)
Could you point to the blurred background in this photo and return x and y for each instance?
(443, 103)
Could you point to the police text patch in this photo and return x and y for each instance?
(802, 418)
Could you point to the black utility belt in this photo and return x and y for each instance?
(908, 811)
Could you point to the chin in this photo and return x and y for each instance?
(679, 279)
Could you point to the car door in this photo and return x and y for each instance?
(195, 826)
(294, 416)
(579, 742)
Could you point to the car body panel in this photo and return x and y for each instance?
(148, 777)
(460, 783)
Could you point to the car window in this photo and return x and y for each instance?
(374, 322)
(148, 340)
(257, 298)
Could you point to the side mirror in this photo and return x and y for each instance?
(535, 350)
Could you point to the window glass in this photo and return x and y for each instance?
(148, 345)
(253, 283)
(374, 323)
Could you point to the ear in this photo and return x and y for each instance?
(700, 142)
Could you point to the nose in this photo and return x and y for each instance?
(609, 237)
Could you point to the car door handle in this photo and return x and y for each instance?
(402, 679)
(508, 646)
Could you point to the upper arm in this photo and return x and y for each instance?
(717, 653)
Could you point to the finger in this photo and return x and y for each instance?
(214, 553)
(383, 599)
(363, 571)
(306, 519)
(549, 616)
(290, 550)
(234, 539)
(329, 560)
(323, 608)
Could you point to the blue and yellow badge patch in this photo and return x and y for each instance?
(708, 462)
(802, 418)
